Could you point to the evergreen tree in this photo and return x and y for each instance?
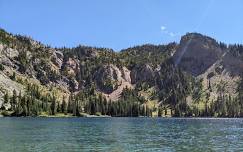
(70, 101)
(6, 98)
(23, 104)
(53, 105)
(14, 100)
(64, 106)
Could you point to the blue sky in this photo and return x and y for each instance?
(120, 24)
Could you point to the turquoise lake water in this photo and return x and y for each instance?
(120, 134)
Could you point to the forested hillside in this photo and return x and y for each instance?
(196, 77)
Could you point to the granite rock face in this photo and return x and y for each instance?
(109, 77)
(143, 73)
(196, 53)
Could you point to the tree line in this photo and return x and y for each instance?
(33, 103)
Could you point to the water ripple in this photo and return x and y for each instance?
(120, 134)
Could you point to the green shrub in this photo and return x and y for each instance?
(1, 67)
(5, 113)
(98, 114)
(13, 77)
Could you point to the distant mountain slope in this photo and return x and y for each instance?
(197, 77)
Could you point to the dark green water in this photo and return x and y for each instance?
(120, 134)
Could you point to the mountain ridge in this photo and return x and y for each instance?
(174, 79)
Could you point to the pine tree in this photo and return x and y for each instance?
(70, 101)
(160, 112)
(24, 105)
(59, 107)
(53, 105)
(14, 100)
(19, 107)
(74, 108)
(6, 98)
(64, 106)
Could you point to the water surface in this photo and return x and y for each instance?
(120, 134)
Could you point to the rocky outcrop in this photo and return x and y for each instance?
(6, 55)
(71, 67)
(108, 78)
(210, 61)
(57, 58)
(144, 73)
(118, 79)
(232, 64)
(8, 85)
(196, 53)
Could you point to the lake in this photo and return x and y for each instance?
(120, 134)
